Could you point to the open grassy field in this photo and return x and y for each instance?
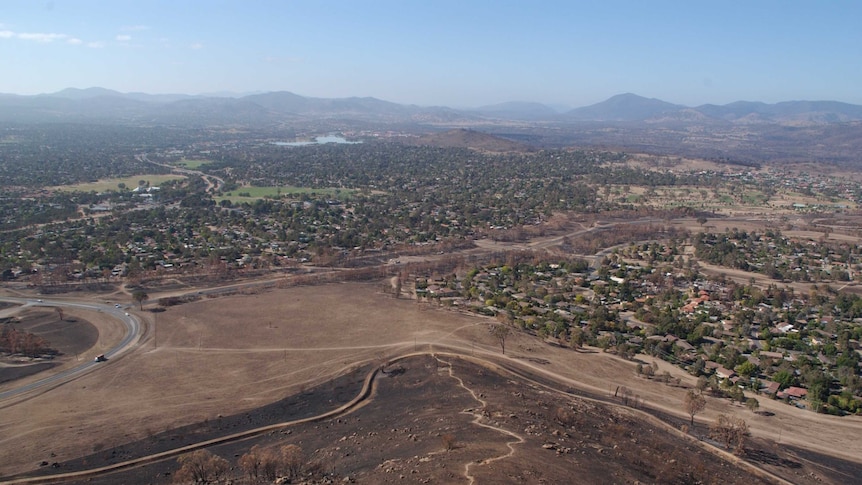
(113, 184)
(251, 193)
(192, 164)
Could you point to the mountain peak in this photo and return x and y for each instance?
(623, 107)
(525, 110)
(77, 93)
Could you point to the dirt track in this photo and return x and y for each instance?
(301, 337)
(234, 354)
(406, 418)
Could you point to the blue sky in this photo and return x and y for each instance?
(440, 52)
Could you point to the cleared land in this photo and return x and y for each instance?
(233, 355)
(113, 184)
(501, 429)
(250, 193)
(192, 164)
(725, 200)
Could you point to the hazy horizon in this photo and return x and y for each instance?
(439, 54)
(555, 106)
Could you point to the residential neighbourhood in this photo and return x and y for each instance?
(774, 343)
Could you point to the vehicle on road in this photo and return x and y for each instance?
(100, 358)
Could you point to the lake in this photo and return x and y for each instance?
(320, 140)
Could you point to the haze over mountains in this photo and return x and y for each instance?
(94, 104)
(742, 132)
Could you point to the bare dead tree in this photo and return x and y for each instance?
(731, 431)
(253, 462)
(449, 441)
(292, 460)
(693, 403)
(501, 333)
(200, 466)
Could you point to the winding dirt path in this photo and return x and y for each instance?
(477, 420)
(502, 364)
(354, 404)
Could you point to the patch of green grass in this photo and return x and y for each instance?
(250, 194)
(106, 185)
(755, 198)
(192, 164)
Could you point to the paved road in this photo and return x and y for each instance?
(213, 183)
(133, 333)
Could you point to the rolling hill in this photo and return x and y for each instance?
(623, 107)
(100, 104)
(463, 138)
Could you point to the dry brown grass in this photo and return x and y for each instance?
(228, 355)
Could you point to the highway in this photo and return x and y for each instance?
(133, 334)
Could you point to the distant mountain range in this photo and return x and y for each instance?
(631, 107)
(99, 104)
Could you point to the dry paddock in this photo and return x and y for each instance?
(228, 355)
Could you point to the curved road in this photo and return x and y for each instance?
(133, 333)
(213, 183)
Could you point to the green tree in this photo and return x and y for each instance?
(783, 377)
(752, 404)
(140, 296)
(746, 369)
